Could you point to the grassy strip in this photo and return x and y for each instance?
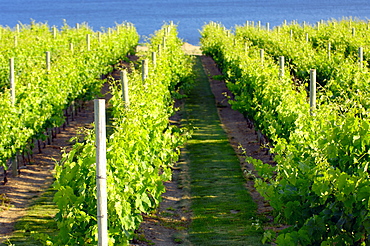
(223, 211)
(38, 225)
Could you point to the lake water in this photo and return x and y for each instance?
(190, 15)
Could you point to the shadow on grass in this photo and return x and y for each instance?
(38, 226)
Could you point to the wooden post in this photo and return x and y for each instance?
(73, 110)
(15, 164)
(101, 176)
(99, 37)
(361, 56)
(47, 60)
(124, 83)
(144, 69)
(312, 91)
(159, 49)
(154, 58)
(281, 63)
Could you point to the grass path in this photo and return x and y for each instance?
(223, 211)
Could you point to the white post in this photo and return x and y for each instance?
(88, 42)
(361, 56)
(312, 90)
(71, 47)
(54, 32)
(124, 83)
(12, 96)
(329, 49)
(15, 41)
(281, 63)
(307, 37)
(101, 176)
(12, 80)
(246, 47)
(47, 60)
(268, 26)
(262, 55)
(144, 69)
(164, 42)
(109, 32)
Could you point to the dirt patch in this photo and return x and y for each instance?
(191, 49)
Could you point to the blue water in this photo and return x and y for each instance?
(190, 15)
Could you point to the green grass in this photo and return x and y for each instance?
(38, 225)
(223, 211)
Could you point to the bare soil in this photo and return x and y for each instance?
(168, 225)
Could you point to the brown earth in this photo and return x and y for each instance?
(168, 225)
